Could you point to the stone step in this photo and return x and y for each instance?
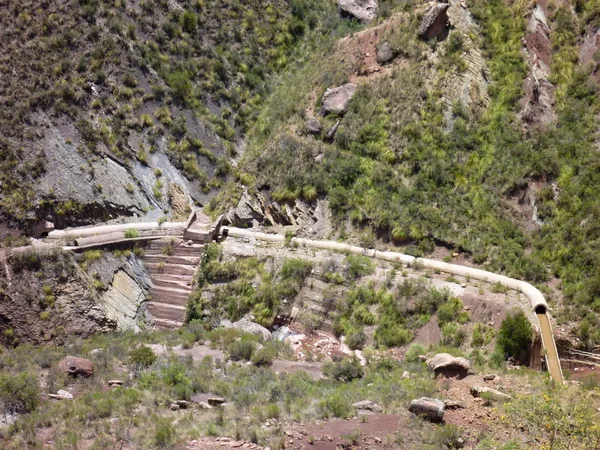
(163, 324)
(175, 250)
(166, 259)
(173, 281)
(170, 295)
(165, 311)
(170, 269)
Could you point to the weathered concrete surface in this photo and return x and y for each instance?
(123, 300)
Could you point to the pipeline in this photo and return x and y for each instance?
(538, 302)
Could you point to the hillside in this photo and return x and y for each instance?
(463, 131)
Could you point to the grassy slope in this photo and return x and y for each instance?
(395, 169)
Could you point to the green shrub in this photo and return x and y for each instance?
(346, 370)
(482, 335)
(19, 393)
(515, 336)
(241, 350)
(337, 405)
(452, 334)
(413, 353)
(391, 334)
(452, 311)
(142, 357)
(358, 266)
(132, 234)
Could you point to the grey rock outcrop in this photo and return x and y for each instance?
(313, 126)
(248, 327)
(363, 10)
(448, 366)
(478, 391)
(368, 405)
(384, 53)
(337, 100)
(246, 212)
(435, 22)
(428, 408)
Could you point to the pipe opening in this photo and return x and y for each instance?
(540, 309)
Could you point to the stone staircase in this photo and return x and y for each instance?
(172, 263)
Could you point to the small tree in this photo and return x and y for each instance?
(515, 336)
(18, 393)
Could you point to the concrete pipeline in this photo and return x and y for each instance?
(538, 302)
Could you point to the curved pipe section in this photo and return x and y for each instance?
(538, 302)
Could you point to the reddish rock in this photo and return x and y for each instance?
(75, 367)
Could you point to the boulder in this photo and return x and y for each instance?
(435, 22)
(337, 100)
(489, 377)
(313, 126)
(428, 408)
(216, 401)
(448, 366)
(112, 383)
(478, 391)
(248, 327)
(384, 53)
(363, 10)
(75, 367)
(61, 395)
(368, 405)
(454, 404)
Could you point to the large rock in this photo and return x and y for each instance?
(435, 22)
(337, 100)
(368, 405)
(479, 391)
(384, 53)
(71, 365)
(428, 408)
(448, 366)
(363, 10)
(248, 327)
(313, 126)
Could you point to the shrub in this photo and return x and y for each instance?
(19, 393)
(142, 357)
(264, 356)
(391, 334)
(452, 335)
(359, 266)
(241, 350)
(482, 335)
(346, 370)
(413, 353)
(515, 336)
(132, 234)
(337, 405)
(452, 311)
(356, 340)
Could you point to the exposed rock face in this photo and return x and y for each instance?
(58, 304)
(537, 104)
(478, 391)
(363, 10)
(435, 23)
(246, 212)
(337, 100)
(368, 405)
(428, 408)
(448, 366)
(76, 367)
(384, 53)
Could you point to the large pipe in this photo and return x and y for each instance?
(105, 229)
(538, 302)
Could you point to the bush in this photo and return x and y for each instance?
(337, 405)
(413, 353)
(452, 311)
(482, 335)
(359, 266)
(142, 357)
(345, 370)
(19, 394)
(132, 234)
(391, 334)
(452, 335)
(515, 336)
(356, 340)
(241, 350)
(265, 356)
